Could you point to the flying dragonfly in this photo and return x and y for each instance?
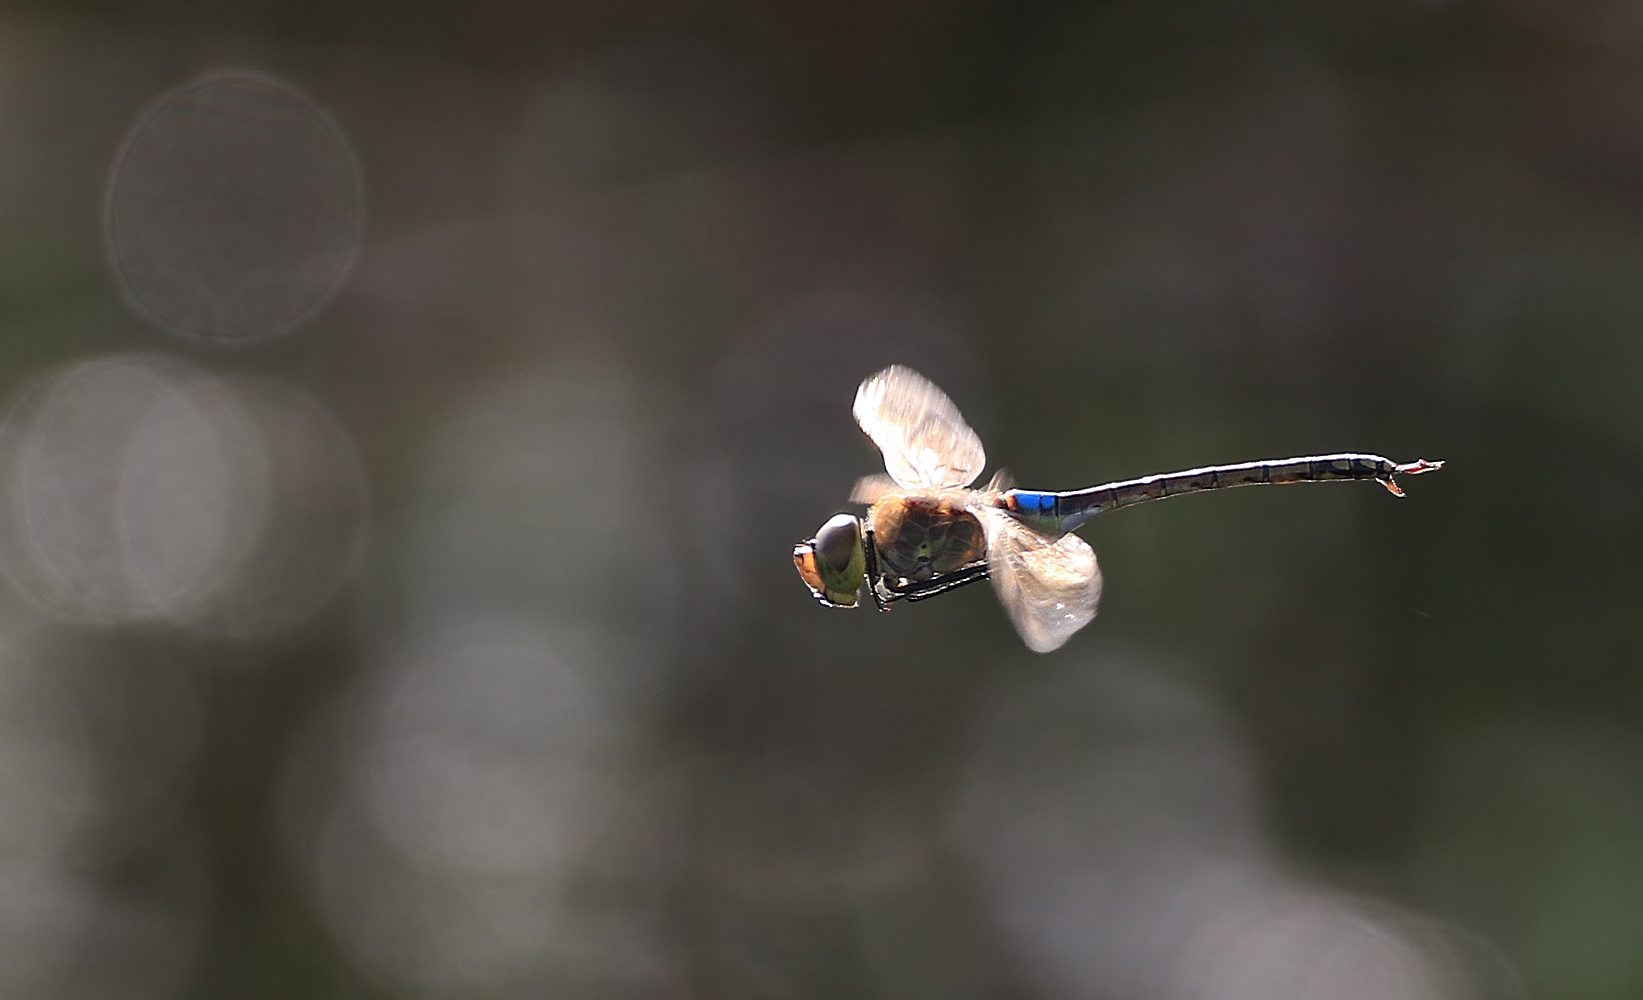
(927, 531)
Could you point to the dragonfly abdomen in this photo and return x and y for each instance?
(1065, 511)
(1285, 470)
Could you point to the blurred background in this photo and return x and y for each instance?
(411, 409)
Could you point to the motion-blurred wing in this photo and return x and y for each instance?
(1049, 586)
(869, 489)
(925, 441)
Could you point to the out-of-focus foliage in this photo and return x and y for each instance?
(412, 409)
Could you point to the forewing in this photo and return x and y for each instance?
(1048, 586)
(925, 441)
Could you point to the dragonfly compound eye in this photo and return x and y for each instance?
(832, 564)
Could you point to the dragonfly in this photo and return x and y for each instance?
(929, 530)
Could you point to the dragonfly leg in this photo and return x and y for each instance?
(870, 550)
(942, 584)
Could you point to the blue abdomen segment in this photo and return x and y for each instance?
(1027, 502)
(1039, 511)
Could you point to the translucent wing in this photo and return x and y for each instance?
(925, 441)
(869, 489)
(1048, 586)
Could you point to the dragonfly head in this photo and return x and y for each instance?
(833, 564)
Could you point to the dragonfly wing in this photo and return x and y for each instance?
(1048, 586)
(869, 489)
(925, 441)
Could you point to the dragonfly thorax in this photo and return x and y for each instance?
(919, 537)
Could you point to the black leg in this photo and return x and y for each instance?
(942, 584)
(870, 549)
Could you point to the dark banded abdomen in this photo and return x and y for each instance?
(1290, 470)
(1057, 512)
